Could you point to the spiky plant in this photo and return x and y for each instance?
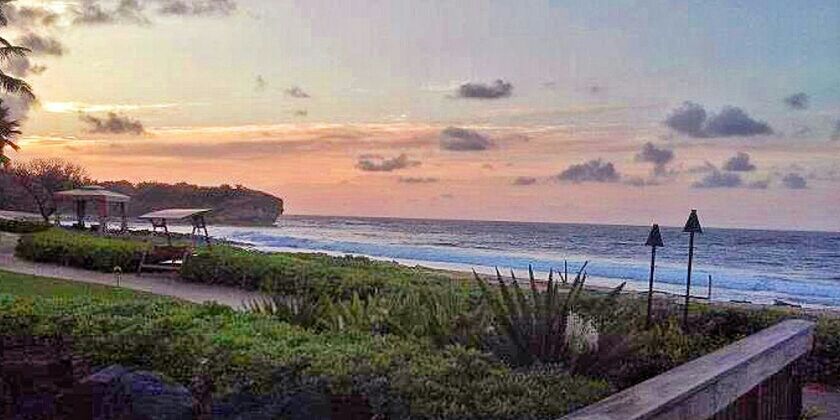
(303, 310)
(536, 325)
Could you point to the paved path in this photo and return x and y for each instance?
(166, 286)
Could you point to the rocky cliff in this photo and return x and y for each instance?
(231, 205)
(235, 205)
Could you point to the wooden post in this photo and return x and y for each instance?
(688, 279)
(692, 226)
(654, 240)
(650, 286)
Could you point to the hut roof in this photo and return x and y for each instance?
(93, 192)
(174, 214)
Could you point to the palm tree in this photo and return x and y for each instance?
(9, 128)
(8, 131)
(8, 83)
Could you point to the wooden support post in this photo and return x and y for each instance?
(688, 279)
(650, 286)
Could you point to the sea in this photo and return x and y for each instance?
(759, 266)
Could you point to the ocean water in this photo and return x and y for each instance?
(755, 265)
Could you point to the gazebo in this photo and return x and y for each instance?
(105, 202)
(160, 218)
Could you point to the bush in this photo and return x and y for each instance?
(81, 250)
(181, 340)
(22, 226)
(295, 274)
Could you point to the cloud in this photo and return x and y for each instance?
(374, 163)
(197, 7)
(835, 134)
(417, 180)
(22, 67)
(691, 119)
(463, 140)
(798, 101)
(296, 92)
(592, 171)
(524, 180)
(113, 124)
(42, 45)
(739, 163)
(91, 12)
(718, 179)
(794, 181)
(300, 113)
(658, 157)
(688, 119)
(759, 185)
(259, 83)
(29, 16)
(18, 106)
(495, 90)
(733, 121)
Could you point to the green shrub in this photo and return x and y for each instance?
(82, 250)
(295, 274)
(22, 226)
(180, 340)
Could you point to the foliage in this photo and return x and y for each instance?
(82, 250)
(300, 274)
(42, 178)
(536, 325)
(9, 130)
(443, 316)
(181, 339)
(13, 85)
(22, 226)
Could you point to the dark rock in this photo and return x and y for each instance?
(151, 398)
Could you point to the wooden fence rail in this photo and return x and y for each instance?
(754, 378)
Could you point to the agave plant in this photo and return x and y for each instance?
(303, 310)
(536, 325)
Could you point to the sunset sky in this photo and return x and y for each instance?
(572, 111)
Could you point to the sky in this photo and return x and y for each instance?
(620, 112)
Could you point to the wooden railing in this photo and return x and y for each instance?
(755, 378)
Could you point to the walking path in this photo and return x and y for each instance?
(166, 286)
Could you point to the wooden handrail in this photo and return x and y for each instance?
(710, 384)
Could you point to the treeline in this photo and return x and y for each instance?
(30, 186)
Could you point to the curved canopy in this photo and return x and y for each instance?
(93, 193)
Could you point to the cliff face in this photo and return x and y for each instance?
(231, 205)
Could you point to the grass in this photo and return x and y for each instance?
(24, 285)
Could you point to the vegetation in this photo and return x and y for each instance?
(252, 351)
(301, 274)
(81, 250)
(22, 226)
(404, 338)
(13, 85)
(40, 179)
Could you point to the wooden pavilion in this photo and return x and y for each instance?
(105, 203)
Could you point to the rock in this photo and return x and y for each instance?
(151, 398)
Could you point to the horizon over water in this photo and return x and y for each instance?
(800, 267)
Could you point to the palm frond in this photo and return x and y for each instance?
(16, 86)
(9, 51)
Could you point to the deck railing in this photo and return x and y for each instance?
(754, 378)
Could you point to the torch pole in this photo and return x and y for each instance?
(688, 279)
(650, 285)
